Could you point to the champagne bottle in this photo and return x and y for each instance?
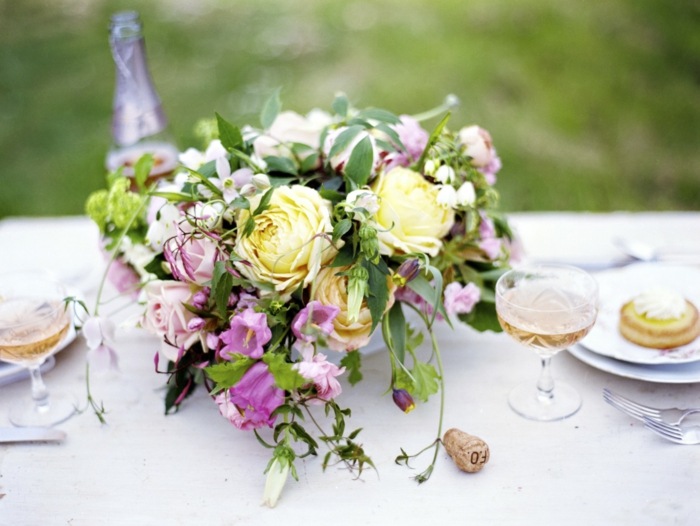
(139, 124)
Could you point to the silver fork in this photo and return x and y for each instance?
(680, 435)
(671, 415)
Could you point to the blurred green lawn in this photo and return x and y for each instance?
(592, 105)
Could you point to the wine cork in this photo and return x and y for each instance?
(469, 452)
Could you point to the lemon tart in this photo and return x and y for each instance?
(659, 319)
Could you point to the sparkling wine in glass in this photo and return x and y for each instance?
(34, 322)
(546, 308)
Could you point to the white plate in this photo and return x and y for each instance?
(619, 286)
(686, 373)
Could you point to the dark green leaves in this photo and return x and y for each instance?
(227, 374)
(221, 285)
(359, 166)
(378, 290)
(230, 135)
(352, 362)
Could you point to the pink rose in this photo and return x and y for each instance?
(166, 315)
(478, 145)
(192, 258)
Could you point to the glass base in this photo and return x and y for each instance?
(27, 414)
(526, 400)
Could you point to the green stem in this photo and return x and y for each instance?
(441, 372)
(113, 256)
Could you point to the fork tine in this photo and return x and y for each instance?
(624, 409)
(628, 409)
(635, 407)
(669, 431)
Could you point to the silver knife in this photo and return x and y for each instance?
(31, 434)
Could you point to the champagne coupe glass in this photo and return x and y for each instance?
(546, 308)
(34, 321)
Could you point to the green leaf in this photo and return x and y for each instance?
(425, 381)
(309, 162)
(281, 164)
(340, 105)
(264, 202)
(221, 285)
(345, 257)
(397, 331)
(230, 136)
(391, 132)
(352, 362)
(271, 109)
(227, 374)
(142, 169)
(482, 317)
(433, 138)
(155, 267)
(286, 377)
(343, 140)
(341, 228)
(432, 293)
(378, 291)
(378, 114)
(359, 166)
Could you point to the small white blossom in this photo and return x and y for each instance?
(447, 196)
(466, 195)
(445, 174)
(191, 158)
(214, 151)
(429, 167)
(360, 200)
(164, 227)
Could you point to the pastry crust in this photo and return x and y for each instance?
(659, 334)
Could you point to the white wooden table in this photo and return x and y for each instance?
(193, 467)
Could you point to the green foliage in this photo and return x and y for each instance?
(352, 361)
(285, 376)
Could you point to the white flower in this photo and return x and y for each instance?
(275, 481)
(191, 158)
(214, 151)
(466, 195)
(164, 227)
(447, 196)
(429, 167)
(362, 199)
(445, 174)
(227, 182)
(207, 215)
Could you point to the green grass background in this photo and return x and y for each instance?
(592, 105)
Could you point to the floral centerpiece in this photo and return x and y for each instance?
(273, 248)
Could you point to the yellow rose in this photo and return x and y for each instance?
(331, 289)
(288, 245)
(410, 213)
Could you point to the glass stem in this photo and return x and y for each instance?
(545, 383)
(39, 392)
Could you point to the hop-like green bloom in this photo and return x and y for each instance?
(369, 244)
(121, 203)
(207, 130)
(96, 208)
